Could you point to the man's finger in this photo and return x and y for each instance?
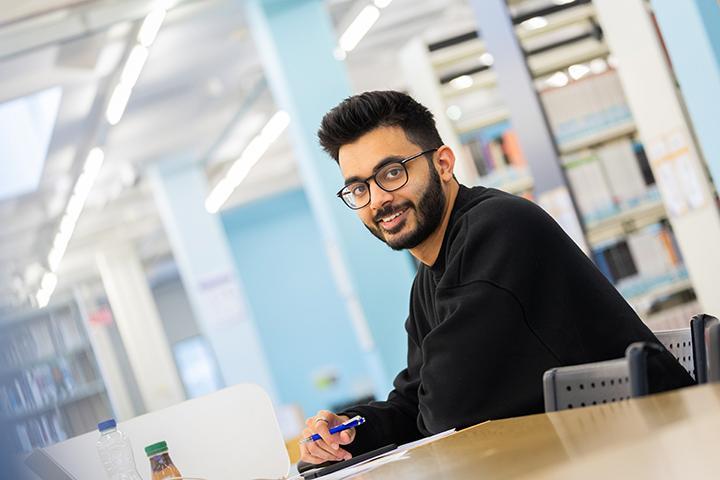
(305, 456)
(323, 429)
(320, 449)
(347, 436)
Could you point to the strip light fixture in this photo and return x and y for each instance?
(359, 27)
(134, 65)
(74, 207)
(116, 107)
(252, 153)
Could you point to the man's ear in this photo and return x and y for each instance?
(445, 163)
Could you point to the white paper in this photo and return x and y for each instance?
(426, 440)
(399, 453)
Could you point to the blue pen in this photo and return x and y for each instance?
(352, 423)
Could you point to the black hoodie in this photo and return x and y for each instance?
(509, 297)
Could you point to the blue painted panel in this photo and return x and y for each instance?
(307, 81)
(280, 256)
(691, 31)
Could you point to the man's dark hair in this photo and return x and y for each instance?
(357, 115)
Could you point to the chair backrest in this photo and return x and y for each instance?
(679, 343)
(587, 384)
(229, 434)
(599, 382)
(700, 325)
(713, 353)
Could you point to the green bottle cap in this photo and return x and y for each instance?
(156, 448)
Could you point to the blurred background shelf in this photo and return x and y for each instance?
(50, 385)
(602, 136)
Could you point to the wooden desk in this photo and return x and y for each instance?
(671, 435)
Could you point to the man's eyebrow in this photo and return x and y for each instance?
(378, 166)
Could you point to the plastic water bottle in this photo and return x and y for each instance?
(116, 452)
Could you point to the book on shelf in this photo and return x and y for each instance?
(644, 260)
(610, 178)
(496, 154)
(50, 386)
(39, 432)
(69, 330)
(623, 165)
(585, 107)
(590, 187)
(27, 343)
(43, 385)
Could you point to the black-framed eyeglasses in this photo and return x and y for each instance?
(392, 176)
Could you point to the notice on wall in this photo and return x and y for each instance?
(222, 299)
(677, 173)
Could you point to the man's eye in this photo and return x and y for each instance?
(393, 172)
(358, 190)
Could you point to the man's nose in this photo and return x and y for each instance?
(378, 196)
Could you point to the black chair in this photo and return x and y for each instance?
(713, 352)
(679, 343)
(599, 382)
(699, 325)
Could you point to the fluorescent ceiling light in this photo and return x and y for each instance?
(247, 160)
(339, 53)
(359, 27)
(150, 27)
(562, 2)
(598, 65)
(382, 3)
(461, 82)
(118, 102)
(82, 188)
(534, 23)
(578, 71)
(558, 79)
(47, 287)
(134, 65)
(454, 112)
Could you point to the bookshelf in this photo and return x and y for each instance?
(50, 385)
(605, 163)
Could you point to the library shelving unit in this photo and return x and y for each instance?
(50, 385)
(624, 218)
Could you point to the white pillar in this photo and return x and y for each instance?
(657, 109)
(106, 357)
(140, 327)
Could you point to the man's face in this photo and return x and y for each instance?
(420, 203)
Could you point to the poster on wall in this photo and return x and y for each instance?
(222, 299)
(677, 177)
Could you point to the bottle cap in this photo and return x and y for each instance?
(155, 448)
(107, 425)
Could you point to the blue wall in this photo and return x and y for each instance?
(289, 286)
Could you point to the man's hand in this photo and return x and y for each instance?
(328, 448)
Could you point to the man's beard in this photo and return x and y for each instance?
(428, 215)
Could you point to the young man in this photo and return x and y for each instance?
(502, 293)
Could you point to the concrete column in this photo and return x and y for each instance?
(208, 272)
(657, 109)
(105, 355)
(691, 32)
(140, 326)
(296, 43)
(527, 116)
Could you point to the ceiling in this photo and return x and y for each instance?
(201, 95)
(203, 70)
